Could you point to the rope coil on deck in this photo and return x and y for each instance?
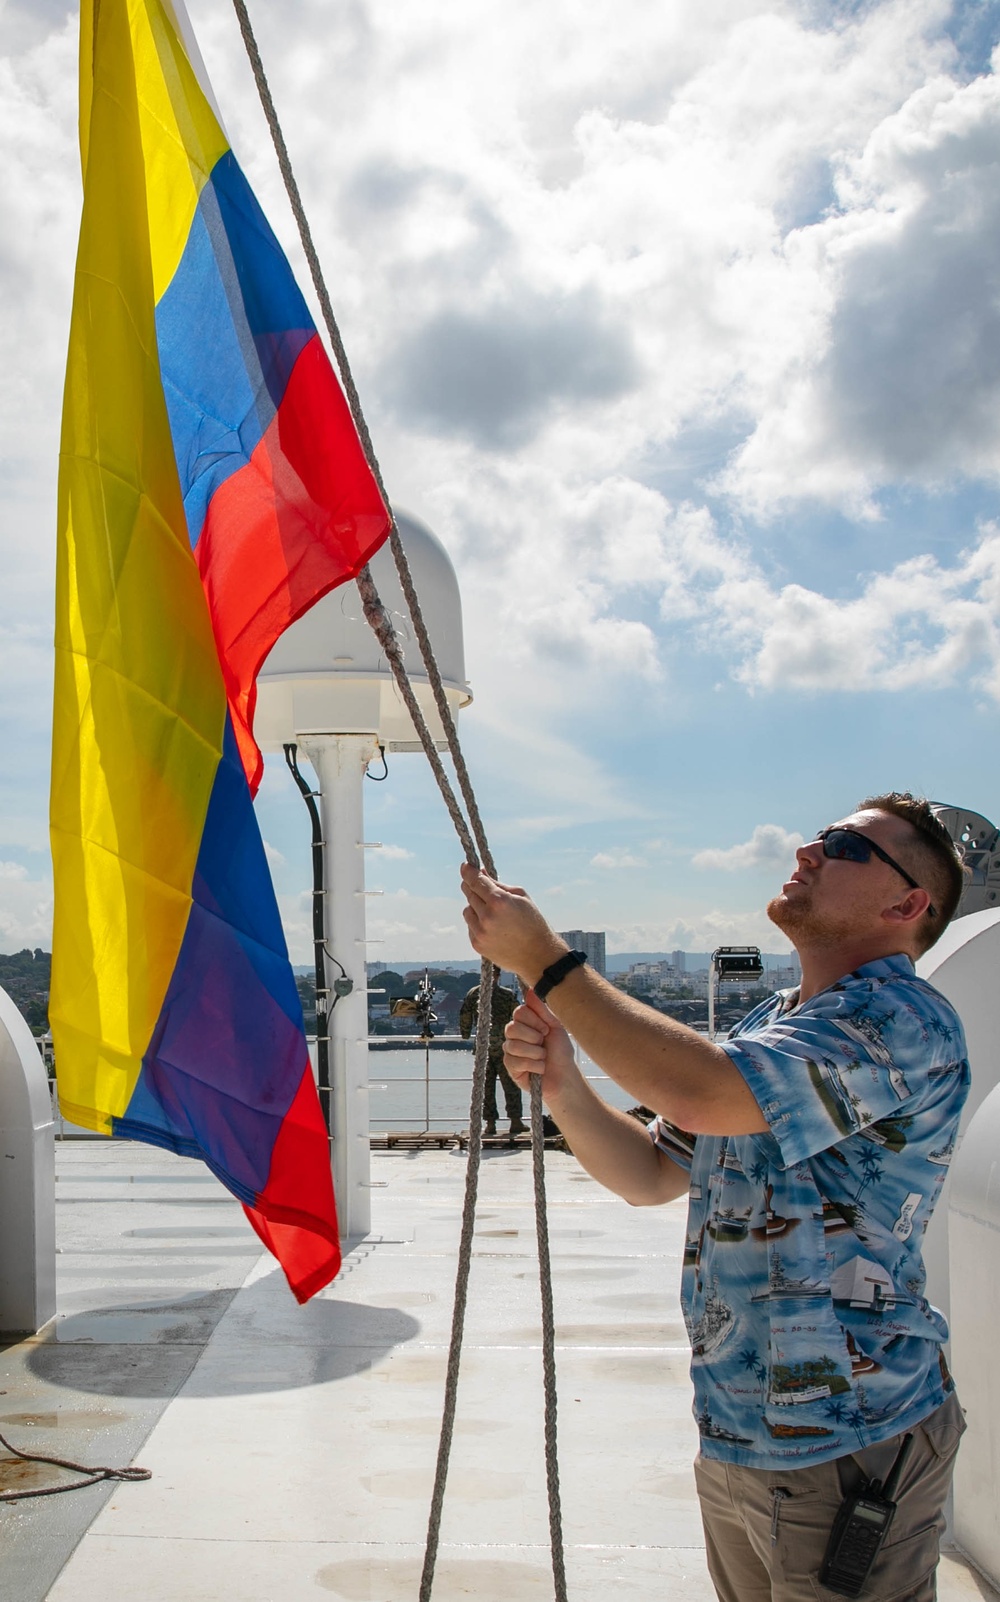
(94, 1475)
(472, 835)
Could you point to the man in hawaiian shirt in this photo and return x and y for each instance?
(822, 1128)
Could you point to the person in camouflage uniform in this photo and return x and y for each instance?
(504, 1003)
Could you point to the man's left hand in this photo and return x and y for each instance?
(506, 926)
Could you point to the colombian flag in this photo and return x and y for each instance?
(211, 488)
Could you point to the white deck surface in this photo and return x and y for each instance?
(293, 1449)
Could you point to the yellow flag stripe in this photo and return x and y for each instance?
(140, 705)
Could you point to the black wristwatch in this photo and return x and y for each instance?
(556, 972)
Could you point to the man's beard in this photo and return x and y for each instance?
(785, 917)
(799, 920)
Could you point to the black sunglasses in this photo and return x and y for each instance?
(847, 845)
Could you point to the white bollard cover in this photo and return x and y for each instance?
(27, 1181)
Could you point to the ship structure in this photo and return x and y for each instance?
(712, 1431)
(828, 1082)
(868, 1030)
(715, 1325)
(727, 1226)
(783, 1286)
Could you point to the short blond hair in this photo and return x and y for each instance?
(942, 863)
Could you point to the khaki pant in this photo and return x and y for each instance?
(766, 1530)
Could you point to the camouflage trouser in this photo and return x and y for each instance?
(767, 1530)
(511, 1095)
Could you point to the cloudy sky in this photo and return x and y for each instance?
(680, 325)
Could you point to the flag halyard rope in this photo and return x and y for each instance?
(476, 847)
(462, 1274)
(548, 1343)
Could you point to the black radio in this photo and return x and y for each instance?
(861, 1526)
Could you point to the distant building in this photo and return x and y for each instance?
(651, 978)
(783, 978)
(678, 960)
(659, 972)
(593, 943)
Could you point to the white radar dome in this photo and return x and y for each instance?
(329, 675)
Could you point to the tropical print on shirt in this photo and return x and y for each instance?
(803, 1281)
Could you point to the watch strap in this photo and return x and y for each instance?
(556, 972)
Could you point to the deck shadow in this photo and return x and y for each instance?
(150, 1349)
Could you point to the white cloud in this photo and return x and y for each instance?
(567, 780)
(398, 924)
(699, 931)
(679, 197)
(645, 192)
(25, 909)
(922, 624)
(39, 194)
(492, 374)
(618, 858)
(275, 858)
(902, 380)
(770, 846)
(393, 853)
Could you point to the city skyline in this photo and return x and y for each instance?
(617, 962)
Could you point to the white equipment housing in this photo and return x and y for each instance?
(974, 1217)
(328, 672)
(963, 966)
(962, 1246)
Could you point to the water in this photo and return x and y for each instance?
(399, 1097)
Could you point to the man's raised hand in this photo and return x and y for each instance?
(535, 1042)
(505, 926)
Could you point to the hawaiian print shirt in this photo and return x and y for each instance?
(803, 1277)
